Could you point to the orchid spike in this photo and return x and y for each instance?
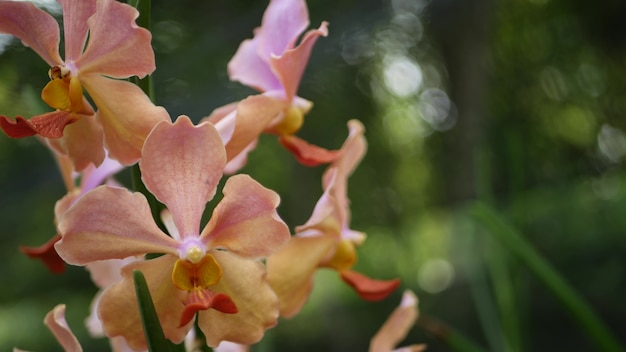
(116, 48)
(216, 273)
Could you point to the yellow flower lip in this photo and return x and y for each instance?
(190, 276)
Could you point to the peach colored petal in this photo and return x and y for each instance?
(397, 326)
(117, 47)
(119, 312)
(282, 24)
(127, 116)
(367, 288)
(253, 115)
(183, 178)
(250, 69)
(55, 320)
(290, 270)
(239, 161)
(243, 280)
(34, 27)
(245, 221)
(75, 15)
(83, 142)
(289, 66)
(110, 223)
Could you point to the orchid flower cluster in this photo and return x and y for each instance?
(233, 277)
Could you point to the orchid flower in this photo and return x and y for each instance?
(272, 63)
(397, 326)
(90, 177)
(117, 48)
(217, 268)
(326, 240)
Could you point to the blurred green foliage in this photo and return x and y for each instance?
(516, 103)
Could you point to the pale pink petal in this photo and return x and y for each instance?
(245, 221)
(119, 312)
(290, 270)
(117, 47)
(226, 346)
(34, 27)
(75, 15)
(110, 223)
(181, 166)
(105, 273)
(290, 66)
(243, 280)
(324, 218)
(249, 69)
(127, 116)
(55, 320)
(82, 142)
(397, 326)
(282, 24)
(95, 176)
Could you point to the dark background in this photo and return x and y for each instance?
(517, 103)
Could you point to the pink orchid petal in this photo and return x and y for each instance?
(290, 66)
(249, 69)
(117, 47)
(47, 254)
(325, 217)
(89, 234)
(34, 27)
(119, 312)
(105, 273)
(243, 280)
(82, 142)
(184, 177)
(367, 288)
(307, 154)
(127, 116)
(55, 320)
(245, 221)
(290, 270)
(226, 346)
(397, 326)
(75, 15)
(282, 24)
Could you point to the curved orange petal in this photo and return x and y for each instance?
(397, 326)
(243, 280)
(34, 27)
(119, 312)
(49, 125)
(127, 116)
(245, 221)
(290, 270)
(307, 154)
(182, 165)
(369, 289)
(117, 47)
(110, 223)
(203, 299)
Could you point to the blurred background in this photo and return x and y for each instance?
(517, 104)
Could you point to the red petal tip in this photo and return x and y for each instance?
(369, 289)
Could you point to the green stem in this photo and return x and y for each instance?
(516, 243)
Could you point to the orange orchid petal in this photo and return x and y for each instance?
(82, 142)
(203, 299)
(290, 270)
(55, 320)
(47, 254)
(369, 289)
(397, 326)
(307, 154)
